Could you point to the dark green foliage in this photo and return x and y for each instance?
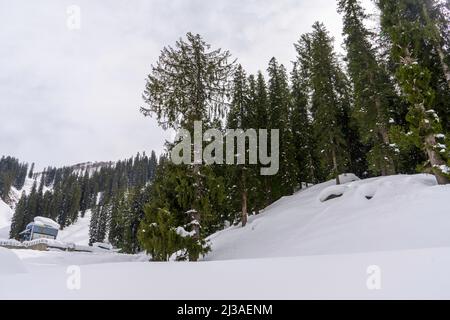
(173, 196)
(372, 90)
(75, 190)
(418, 48)
(189, 83)
(12, 174)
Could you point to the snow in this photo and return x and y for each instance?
(299, 247)
(333, 191)
(404, 212)
(42, 221)
(10, 263)
(6, 214)
(78, 232)
(411, 274)
(444, 168)
(183, 233)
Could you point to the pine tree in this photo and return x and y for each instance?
(190, 83)
(302, 129)
(413, 48)
(371, 88)
(20, 218)
(238, 118)
(172, 193)
(285, 182)
(30, 175)
(327, 104)
(259, 102)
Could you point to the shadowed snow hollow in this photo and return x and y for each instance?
(379, 214)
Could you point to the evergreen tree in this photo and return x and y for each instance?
(411, 31)
(259, 119)
(19, 219)
(371, 88)
(285, 181)
(30, 175)
(301, 126)
(238, 118)
(327, 105)
(190, 83)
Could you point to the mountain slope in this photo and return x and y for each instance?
(5, 219)
(78, 232)
(404, 212)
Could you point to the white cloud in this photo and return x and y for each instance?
(72, 96)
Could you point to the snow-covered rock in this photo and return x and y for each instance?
(332, 192)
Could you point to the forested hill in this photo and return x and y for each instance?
(64, 194)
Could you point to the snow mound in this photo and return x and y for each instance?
(348, 177)
(332, 192)
(47, 222)
(401, 212)
(10, 263)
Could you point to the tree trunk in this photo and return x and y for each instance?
(388, 169)
(244, 208)
(388, 164)
(433, 156)
(244, 214)
(335, 165)
(435, 159)
(195, 214)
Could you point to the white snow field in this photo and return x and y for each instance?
(383, 238)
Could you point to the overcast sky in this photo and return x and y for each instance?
(73, 95)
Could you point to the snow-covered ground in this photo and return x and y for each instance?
(5, 219)
(405, 212)
(383, 238)
(78, 232)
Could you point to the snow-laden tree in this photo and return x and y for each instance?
(415, 49)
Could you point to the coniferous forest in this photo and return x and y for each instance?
(380, 109)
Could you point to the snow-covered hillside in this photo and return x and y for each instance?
(5, 219)
(299, 247)
(404, 212)
(7, 211)
(78, 232)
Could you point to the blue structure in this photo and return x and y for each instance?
(35, 231)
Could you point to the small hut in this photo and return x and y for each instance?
(40, 228)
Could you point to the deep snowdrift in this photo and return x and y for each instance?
(404, 212)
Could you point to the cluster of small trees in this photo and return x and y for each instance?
(382, 110)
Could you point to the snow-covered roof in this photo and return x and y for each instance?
(46, 222)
